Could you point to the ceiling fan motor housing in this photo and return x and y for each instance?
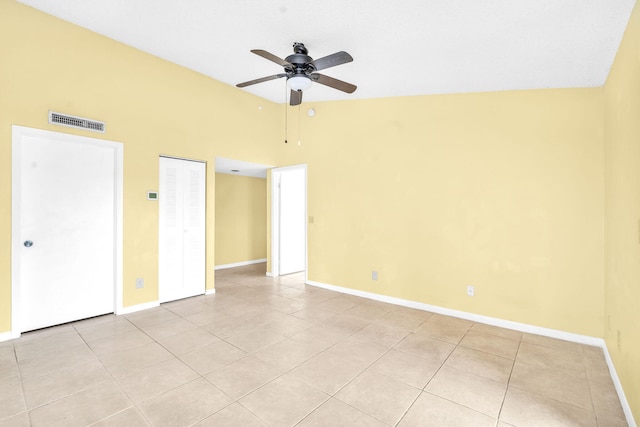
(300, 60)
(300, 63)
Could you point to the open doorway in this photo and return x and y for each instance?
(241, 223)
(288, 220)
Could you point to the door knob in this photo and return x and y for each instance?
(28, 243)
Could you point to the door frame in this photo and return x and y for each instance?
(275, 219)
(18, 132)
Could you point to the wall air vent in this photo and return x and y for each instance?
(76, 122)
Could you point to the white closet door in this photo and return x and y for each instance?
(194, 227)
(170, 233)
(182, 229)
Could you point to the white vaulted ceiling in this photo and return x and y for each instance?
(400, 48)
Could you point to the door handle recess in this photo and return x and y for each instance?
(28, 243)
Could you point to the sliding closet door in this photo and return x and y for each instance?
(182, 228)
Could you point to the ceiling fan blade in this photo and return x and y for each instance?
(334, 83)
(270, 57)
(295, 98)
(331, 60)
(263, 79)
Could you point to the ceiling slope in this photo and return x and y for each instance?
(400, 48)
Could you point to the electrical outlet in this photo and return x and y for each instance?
(374, 275)
(471, 291)
(139, 283)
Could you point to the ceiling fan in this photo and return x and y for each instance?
(300, 70)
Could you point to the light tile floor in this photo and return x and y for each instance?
(274, 352)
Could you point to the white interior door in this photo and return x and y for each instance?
(182, 196)
(64, 242)
(292, 200)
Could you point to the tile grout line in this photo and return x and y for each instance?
(504, 398)
(586, 375)
(177, 357)
(260, 295)
(330, 396)
(252, 354)
(482, 351)
(29, 410)
(24, 394)
(115, 382)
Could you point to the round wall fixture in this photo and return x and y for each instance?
(311, 112)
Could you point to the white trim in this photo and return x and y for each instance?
(508, 324)
(240, 264)
(210, 291)
(119, 248)
(275, 219)
(6, 336)
(269, 274)
(616, 382)
(16, 184)
(17, 133)
(183, 158)
(275, 223)
(139, 307)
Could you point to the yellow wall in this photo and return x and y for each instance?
(241, 219)
(150, 105)
(503, 191)
(622, 268)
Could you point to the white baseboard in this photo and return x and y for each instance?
(209, 291)
(522, 327)
(616, 381)
(240, 264)
(138, 307)
(269, 274)
(5, 336)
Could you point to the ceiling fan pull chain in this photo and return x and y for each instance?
(299, 126)
(286, 109)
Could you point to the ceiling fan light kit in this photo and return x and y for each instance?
(301, 70)
(299, 83)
